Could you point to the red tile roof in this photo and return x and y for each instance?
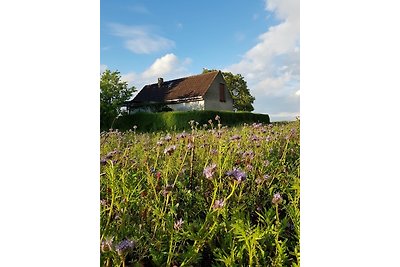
(179, 90)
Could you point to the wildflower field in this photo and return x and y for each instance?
(211, 196)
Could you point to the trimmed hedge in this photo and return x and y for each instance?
(179, 120)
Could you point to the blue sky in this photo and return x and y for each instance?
(259, 39)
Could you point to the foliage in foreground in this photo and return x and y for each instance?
(113, 94)
(214, 196)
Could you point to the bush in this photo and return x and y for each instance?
(179, 120)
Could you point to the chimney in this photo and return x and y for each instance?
(160, 82)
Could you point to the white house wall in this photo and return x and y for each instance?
(141, 109)
(211, 98)
(195, 105)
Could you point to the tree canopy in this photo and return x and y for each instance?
(237, 86)
(113, 94)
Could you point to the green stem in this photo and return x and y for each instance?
(283, 158)
(214, 195)
(278, 248)
(180, 169)
(111, 173)
(170, 249)
(233, 190)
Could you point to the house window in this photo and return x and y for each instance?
(222, 92)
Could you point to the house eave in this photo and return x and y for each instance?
(166, 102)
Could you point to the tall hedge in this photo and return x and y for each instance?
(179, 120)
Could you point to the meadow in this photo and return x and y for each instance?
(209, 196)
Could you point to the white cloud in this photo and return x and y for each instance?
(272, 67)
(140, 39)
(284, 9)
(162, 66)
(168, 67)
(284, 116)
(148, 44)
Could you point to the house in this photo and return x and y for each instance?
(199, 92)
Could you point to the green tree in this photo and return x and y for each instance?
(113, 94)
(237, 86)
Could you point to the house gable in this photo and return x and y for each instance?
(218, 96)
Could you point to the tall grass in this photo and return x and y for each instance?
(211, 196)
(178, 120)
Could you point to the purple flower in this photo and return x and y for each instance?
(125, 246)
(217, 118)
(235, 137)
(178, 224)
(167, 189)
(257, 125)
(218, 133)
(254, 138)
(109, 155)
(190, 145)
(169, 150)
(248, 154)
(277, 199)
(209, 171)
(160, 143)
(265, 178)
(218, 204)
(167, 138)
(237, 174)
(106, 245)
(103, 202)
(181, 135)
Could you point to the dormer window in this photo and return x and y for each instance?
(222, 92)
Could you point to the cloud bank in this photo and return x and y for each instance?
(272, 66)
